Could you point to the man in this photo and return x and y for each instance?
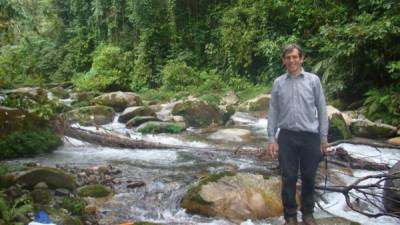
(298, 109)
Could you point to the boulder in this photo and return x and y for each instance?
(54, 178)
(135, 111)
(59, 92)
(368, 129)
(260, 103)
(231, 134)
(118, 100)
(235, 197)
(395, 140)
(137, 120)
(91, 115)
(230, 98)
(197, 113)
(155, 127)
(391, 191)
(338, 129)
(11, 119)
(94, 190)
(35, 93)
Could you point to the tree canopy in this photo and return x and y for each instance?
(134, 45)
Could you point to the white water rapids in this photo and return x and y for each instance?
(168, 173)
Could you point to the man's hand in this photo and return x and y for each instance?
(324, 148)
(273, 150)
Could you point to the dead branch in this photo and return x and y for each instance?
(370, 194)
(341, 157)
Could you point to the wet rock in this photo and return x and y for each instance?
(338, 128)
(368, 129)
(54, 178)
(230, 98)
(34, 93)
(391, 191)
(232, 134)
(118, 100)
(135, 111)
(235, 197)
(41, 196)
(260, 103)
(91, 115)
(135, 184)
(138, 120)
(395, 140)
(62, 192)
(155, 127)
(59, 92)
(94, 190)
(197, 113)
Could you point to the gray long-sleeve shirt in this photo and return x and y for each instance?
(297, 104)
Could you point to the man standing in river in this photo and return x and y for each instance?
(298, 109)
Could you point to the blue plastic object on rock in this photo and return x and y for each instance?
(42, 217)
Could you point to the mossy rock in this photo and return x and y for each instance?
(60, 218)
(54, 178)
(235, 197)
(368, 129)
(155, 127)
(138, 120)
(134, 111)
(94, 190)
(198, 113)
(194, 203)
(41, 196)
(59, 92)
(118, 100)
(260, 103)
(91, 115)
(338, 129)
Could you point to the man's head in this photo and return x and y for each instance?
(293, 58)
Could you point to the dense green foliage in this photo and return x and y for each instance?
(28, 143)
(181, 45)
(11, 211)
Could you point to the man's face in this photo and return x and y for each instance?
(293, 61)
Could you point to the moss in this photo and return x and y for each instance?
(95, 190)
(338, 129)
(355, 223)
(160, 127)
(75, 206)
(28, 143)
(145, 223)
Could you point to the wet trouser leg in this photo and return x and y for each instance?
(298, 150)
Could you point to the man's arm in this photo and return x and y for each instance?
(272, 122)
(322, 115)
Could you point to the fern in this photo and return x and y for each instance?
(19, 208)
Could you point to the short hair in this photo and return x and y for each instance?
(289, 48)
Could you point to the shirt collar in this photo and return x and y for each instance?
(300, 75)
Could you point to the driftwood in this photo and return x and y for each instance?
(365, 141)
(341, 157)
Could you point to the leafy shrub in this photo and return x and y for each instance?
(10, 211)
(27, 143)
(108, 72)
(384, 104)
(74, 205)
(178, 76)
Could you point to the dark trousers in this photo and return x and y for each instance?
(298, 150)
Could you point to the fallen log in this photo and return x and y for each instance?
(365, 141)
(341, 157)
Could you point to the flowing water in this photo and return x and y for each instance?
(168, 173)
